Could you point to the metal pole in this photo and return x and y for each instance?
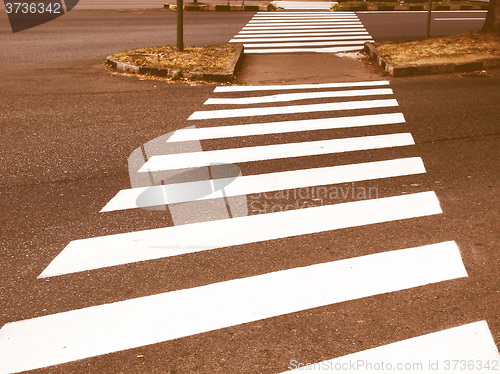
(180, 26)
(428, 34)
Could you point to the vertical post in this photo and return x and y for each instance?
(180, 26)
(428, 33)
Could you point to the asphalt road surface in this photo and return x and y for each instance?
(308, 288)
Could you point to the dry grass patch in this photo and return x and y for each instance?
(210, 59)
(455, 48)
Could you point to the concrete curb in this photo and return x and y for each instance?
(361, 8)
(228, 76)
(427, 69)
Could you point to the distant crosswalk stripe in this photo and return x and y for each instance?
(471, 343)
(302, 14)
(302, 26)
(304, 18)
(305, 86)
(238, 38)
(229, 131)
(254, 184)
(267, 111)
(101, 329)
(118, 249)
(275, 151)
(299, 22)
(332, 29)
(303, 5)
(305, 14)
(287, 24)
(299, 96)
(310, 38)
(318, 16)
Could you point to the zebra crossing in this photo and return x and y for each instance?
(322, 32)
(237, 113)
(303, 5)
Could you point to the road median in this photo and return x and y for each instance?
(468, 52)
(210, 63)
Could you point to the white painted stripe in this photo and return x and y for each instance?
(305, 50)
(426, 354)
(290, 5)
(339, 25)
(267, 111)
(298, 24)
(303, 13)
(299, 13)
(275, 151)
(305, 17)
(289, 15)
(320, 21)
(298, 96)
(98, 330)
(308, 44)
(300, 86)
(295, 39)
(119, 249)
(254, 184)
(230, 131)
(299, 34)
(317, 30)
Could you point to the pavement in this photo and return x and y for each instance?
(69, 132)
(304, 68)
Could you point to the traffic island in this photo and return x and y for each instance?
(470, 52)
(216, 63)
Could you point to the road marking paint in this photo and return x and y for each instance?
(268, 111)
(300, 86)
(270, 14)
(229, 131)
(338, 25)
(302, 5)
(307, 18)
(422, 354)
(303, 17)
(316, 30)
(300, 22)
(311, 38)
(303, 50)
(97, 330)
(119, 249)
(298, 96)
(274, 151)
(255, 184)
(239, 37)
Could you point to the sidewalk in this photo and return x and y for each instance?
(303, 68)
